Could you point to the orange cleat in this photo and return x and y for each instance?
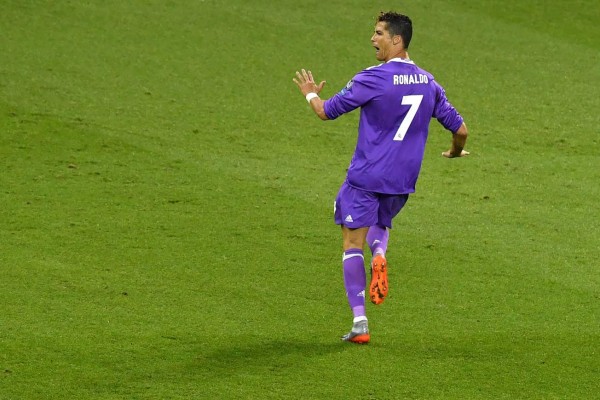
(359, 333)
(360, 339)
(378, 289)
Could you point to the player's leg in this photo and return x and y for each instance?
(377, 238)
(355, 278)
(355, 281)
(354, 211)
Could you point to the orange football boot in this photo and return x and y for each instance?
(359, 333)
(378, 289)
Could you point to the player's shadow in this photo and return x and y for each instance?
(255, 353)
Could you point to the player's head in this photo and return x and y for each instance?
(397, 24)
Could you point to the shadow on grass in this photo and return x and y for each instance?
(258, 353)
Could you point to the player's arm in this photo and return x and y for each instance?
(306, 83)
(447, 115)
(459, 139)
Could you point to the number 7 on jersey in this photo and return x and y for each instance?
(414, 101)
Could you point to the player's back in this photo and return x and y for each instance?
(405, 94)
(393, 129)
(397, 100)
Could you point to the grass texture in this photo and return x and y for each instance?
(166, 225)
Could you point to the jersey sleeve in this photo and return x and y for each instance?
(359, 91)
(445, 112)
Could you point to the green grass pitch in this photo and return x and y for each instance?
(166, 204)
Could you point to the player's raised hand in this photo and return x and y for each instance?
(306, 83)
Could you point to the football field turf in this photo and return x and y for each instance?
(166, 200)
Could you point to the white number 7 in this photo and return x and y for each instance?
(414, 101)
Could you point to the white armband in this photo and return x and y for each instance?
(310, 96)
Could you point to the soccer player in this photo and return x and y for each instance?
(397, 101)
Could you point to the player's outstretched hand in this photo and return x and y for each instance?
(448, 154)
(306, 83)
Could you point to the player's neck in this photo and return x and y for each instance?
(402, 54)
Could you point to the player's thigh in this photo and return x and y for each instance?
(355, 208)
(389, 207)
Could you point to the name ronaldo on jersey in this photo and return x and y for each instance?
(410, 79)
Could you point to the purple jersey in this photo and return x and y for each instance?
(397, 100)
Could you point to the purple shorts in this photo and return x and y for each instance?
(357, 208)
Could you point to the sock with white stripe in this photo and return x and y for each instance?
(355, 280)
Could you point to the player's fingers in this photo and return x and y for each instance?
(305, 75)
(310, 76)
(465, 153)
(300, 77)
(320, 87)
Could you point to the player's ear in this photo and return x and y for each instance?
(396, 39)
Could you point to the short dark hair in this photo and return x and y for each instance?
(397, 24)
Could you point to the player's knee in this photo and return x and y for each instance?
(355, 238)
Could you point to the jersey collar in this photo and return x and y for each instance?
(403, 60)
